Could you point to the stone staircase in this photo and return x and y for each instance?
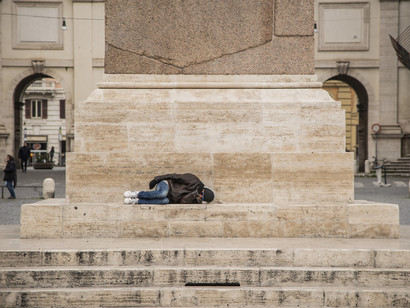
(205, 272)
(401, 167)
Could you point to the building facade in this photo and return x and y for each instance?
(354, 59)
(43, 117)
(353, 46)
(42, 41)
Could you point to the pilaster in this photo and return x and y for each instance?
(391, 134)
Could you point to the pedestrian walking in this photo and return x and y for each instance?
(24, 155)
(51, 154)
(10, 176)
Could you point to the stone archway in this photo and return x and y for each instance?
(362, 106)
(16, 92)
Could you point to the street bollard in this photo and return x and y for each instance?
(379, 175)
(49, 188)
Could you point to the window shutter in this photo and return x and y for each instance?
(62, 108)
(28, 109)
(44, 109)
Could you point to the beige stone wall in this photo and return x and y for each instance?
(272, 139)
(209, 37)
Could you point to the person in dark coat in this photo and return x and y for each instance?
(52, 154)
(24, 155)
(10, 175)
(172, 188)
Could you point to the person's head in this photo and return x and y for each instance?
(25, 144)
(207, 195)
(9, 157)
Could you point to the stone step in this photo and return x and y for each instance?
(182, 276)
(206, 297)
(54, 218)
(238, 253)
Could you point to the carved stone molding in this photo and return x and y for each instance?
(38, 66)
(342, 67)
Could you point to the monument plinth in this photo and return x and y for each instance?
(224, 90)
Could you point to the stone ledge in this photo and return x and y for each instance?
(54, 218)
(143, 81)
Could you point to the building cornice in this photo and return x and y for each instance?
(352, 63)
(91, 1)
(9, 62)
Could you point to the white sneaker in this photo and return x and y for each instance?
(131, 200)
(131, 194)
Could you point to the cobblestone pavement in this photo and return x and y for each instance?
(366, 188)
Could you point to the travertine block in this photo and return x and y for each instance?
(179, 277)
(392, 258)
(370, 213)
(303, 228)
(20, 258)
(243, 177)
(366, 298)
(183, 212)
(144, 229)
(254, 228)
(43, 219)
(238, 257)
(95, 136)
(310, 178)
(196, 229)
(206, 220)
(94, 228)
(374, 230)
(333, 258)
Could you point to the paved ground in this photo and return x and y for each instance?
(366, 188)
(10, 209)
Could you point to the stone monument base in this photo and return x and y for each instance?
(272, 147)
(53, 218)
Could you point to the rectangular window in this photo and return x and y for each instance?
(62, 108)
(36, 108)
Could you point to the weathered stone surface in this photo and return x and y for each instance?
(44, 220)
(198, 125)
(208, 37)
(392, 258)
(231, 220)
(334, 257)
(293, 17)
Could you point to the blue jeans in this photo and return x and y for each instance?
(9, 185)
(157, 196)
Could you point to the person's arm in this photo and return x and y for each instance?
(159, 178)
(191, 198)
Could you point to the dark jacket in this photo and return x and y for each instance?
(10, 173)
(183, 188)
(24, 152)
